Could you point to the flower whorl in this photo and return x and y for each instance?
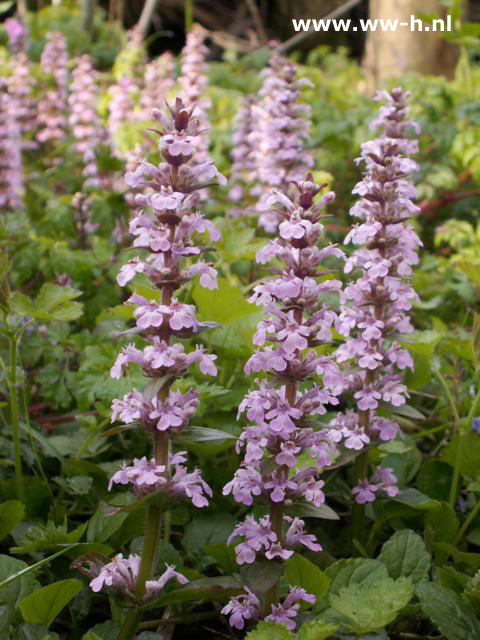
(374, 310)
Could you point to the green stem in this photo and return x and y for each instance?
(150, 542)
(456, 473)
(456, 420)
(474, 409)
(15, 419)
(188, 14)
(153, 526)
(474, 512)
(358, 510)
(276, 522)
(450, 398)
(130, 625)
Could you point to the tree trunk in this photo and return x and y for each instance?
(391, 53)
(88, 13)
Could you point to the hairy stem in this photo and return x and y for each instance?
(276, 508)
(358, 510)
(276, 519)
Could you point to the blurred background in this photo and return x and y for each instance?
(242, 26)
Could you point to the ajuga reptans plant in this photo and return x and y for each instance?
(300, 384)
(169, 230)
(375, 307)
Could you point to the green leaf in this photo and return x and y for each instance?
(423, 342)
(12, 513)
(54, 303)
(442, 523)
(16, 581)
(468, 455)
(362, 608)
(224, 556)
(416, 500)
(101, 527)
(103, 631)
(206, 530)
(34, 632)
(20, 303)
(21, 569)
(43, 606)
(452, 617)
(222, 305)
(269, 631)
(355, 571)
(300, 572)
(261, 575)
(308, 510)
(405, 554)
(316, 630)
(463, 557)
(434, 479)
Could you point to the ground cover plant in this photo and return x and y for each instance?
(240, 343)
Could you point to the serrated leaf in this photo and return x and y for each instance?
(316, 630)
(362, 608)
(405, 554)
(300, 572)
(269, 631)
(453, 618)
(355, 571)
(43, 606)
(20, 303)
(55, 303)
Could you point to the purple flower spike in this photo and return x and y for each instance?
(52, 118)
(166, 227)
(375, 306)
(282, 411)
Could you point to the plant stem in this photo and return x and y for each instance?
(15, 419)
(153, 526)
(276, 522)
(474, 512)
(456, 422)
(188, 7)
(130, 624)
(474, 409)
(456, 473)
(276, 508)
(358, 510)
